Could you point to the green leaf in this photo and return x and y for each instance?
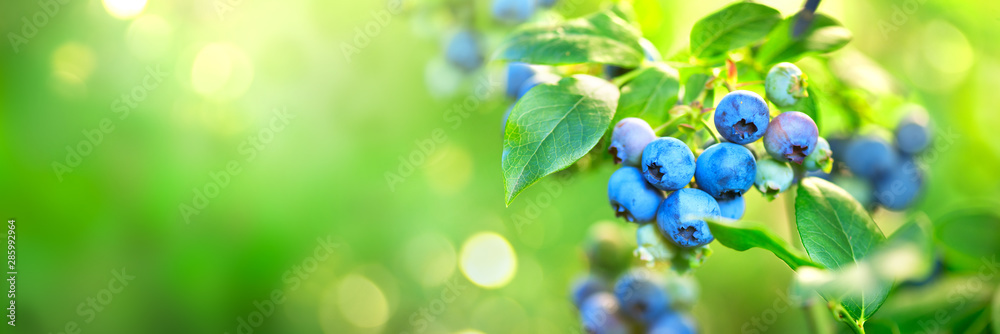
(603, 38)
(996, 312)
(961, 235)
(694, 86)
(552, 126)
(824, 35)
(837, 232)
(743, 235)
(731, 28)
(649, 95)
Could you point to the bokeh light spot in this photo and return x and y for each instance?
(488, 260)
(75, 59)
(124, 9)
(221, 72)
(362, 302)
(946, 48)
(148, 37)
(449, 169)
(430, 258)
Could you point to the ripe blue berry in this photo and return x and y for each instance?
(513, 11)
(631, 197)
(725, 170)
(773, 177)
(742, 117)
(547, 3)
(869, 157)
(791, 136)
(673, 323)
(680, 217)
(820, 158)
(913, 134)
(899, 187)
(535, 80)
(587, 286)
(642, 295)
(464, 51)
(732, 208)
(628, 139)
(785, 85)
(667, 163)
(517, 74)
(599, 315)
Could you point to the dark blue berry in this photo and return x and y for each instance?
(668, 163)
(742, 117)
(725, 170)
(632, 197)
(681, 215)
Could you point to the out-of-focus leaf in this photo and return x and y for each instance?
(824, 35)
(733, 27)
(603, 38)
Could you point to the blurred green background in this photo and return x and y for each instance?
(362, 157)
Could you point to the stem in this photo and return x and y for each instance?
(749, 83)
(709, 129)
(661, 130)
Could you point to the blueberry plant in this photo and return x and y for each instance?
(692, 134)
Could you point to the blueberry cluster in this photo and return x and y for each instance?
(639, 301)
(663, 183)
(880, 172)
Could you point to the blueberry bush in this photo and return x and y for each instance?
(692, 133)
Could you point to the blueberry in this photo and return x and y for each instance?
(642, 295)
(513, 11)
(680, 217)
(725, 170)
(742, 117)
(517, 74)
(869, 157)
(535, 80)
(631, 197)
(899, 187)
(651, 247)
(791, 136)
(599, 315)
(607, 248)
(628, 139)
(587, 286)
(732, 208)
(913, 134)
(464, 51)
(773, 177)
(820, 158)
(673, 323)
(667, 163)
(785, 85)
